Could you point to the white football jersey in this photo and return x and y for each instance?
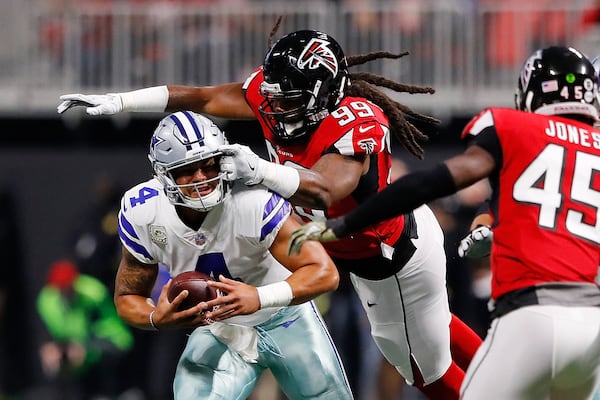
(233, 240)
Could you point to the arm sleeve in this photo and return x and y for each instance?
(401, 197)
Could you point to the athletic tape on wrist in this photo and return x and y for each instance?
(149, 99)
(278, 294)
(280, 179)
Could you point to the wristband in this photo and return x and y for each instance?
(280, 178)
(149, 99)
(278, 294)
(152, 320)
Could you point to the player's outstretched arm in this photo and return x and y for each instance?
(226, 101)
(142, 100)
(404, 195)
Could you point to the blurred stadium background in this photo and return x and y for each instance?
(53, 166)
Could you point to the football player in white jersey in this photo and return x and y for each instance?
(188, 218)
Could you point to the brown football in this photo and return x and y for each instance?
(195, 283)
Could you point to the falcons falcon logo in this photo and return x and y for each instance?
(528, 68)
(368, 145)
(317, 53)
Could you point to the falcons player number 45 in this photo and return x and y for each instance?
(549, 168)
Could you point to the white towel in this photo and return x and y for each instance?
(239, 338)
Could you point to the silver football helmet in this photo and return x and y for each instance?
(184, 138)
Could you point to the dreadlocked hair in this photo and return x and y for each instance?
(274, 30)
(367, 85)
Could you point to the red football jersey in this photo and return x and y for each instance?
(546, 198)
(357, 126)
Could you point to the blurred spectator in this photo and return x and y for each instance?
(94, 239)
(521, 25)
(86, 338)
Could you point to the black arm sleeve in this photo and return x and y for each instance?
(401, 197)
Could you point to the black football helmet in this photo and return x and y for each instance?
(596, 64)
(558, 80)
(305, 76)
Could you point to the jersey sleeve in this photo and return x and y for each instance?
(251, 88)
(359, 126)
(275, 212)
(264, 211)
(481, 131)
(133, 222)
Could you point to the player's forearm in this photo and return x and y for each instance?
(310, 193)
(318, 192)
(401, 197)
(312, 281)
(145, 100)
(483, 216)
(224, 101)
(482, 220)
(134, 310)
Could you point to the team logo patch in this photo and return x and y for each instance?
(317, 53)
(528, 68)
(158, 234)
(368, 145)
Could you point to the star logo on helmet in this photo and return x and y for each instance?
(155, 141)
(317, 53)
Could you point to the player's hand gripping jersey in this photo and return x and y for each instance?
(541, 156)
(246, 224)
(356, 127)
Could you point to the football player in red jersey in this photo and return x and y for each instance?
(543, 163)
(328, 133)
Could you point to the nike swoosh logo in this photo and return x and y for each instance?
(251, 166)
(369, 304)
(363, 129)
(288, 323)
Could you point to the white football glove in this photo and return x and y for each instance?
(97, 104)
(240, 162)
(315, 230)
(477, 243)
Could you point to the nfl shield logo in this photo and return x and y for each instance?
(200, 239)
